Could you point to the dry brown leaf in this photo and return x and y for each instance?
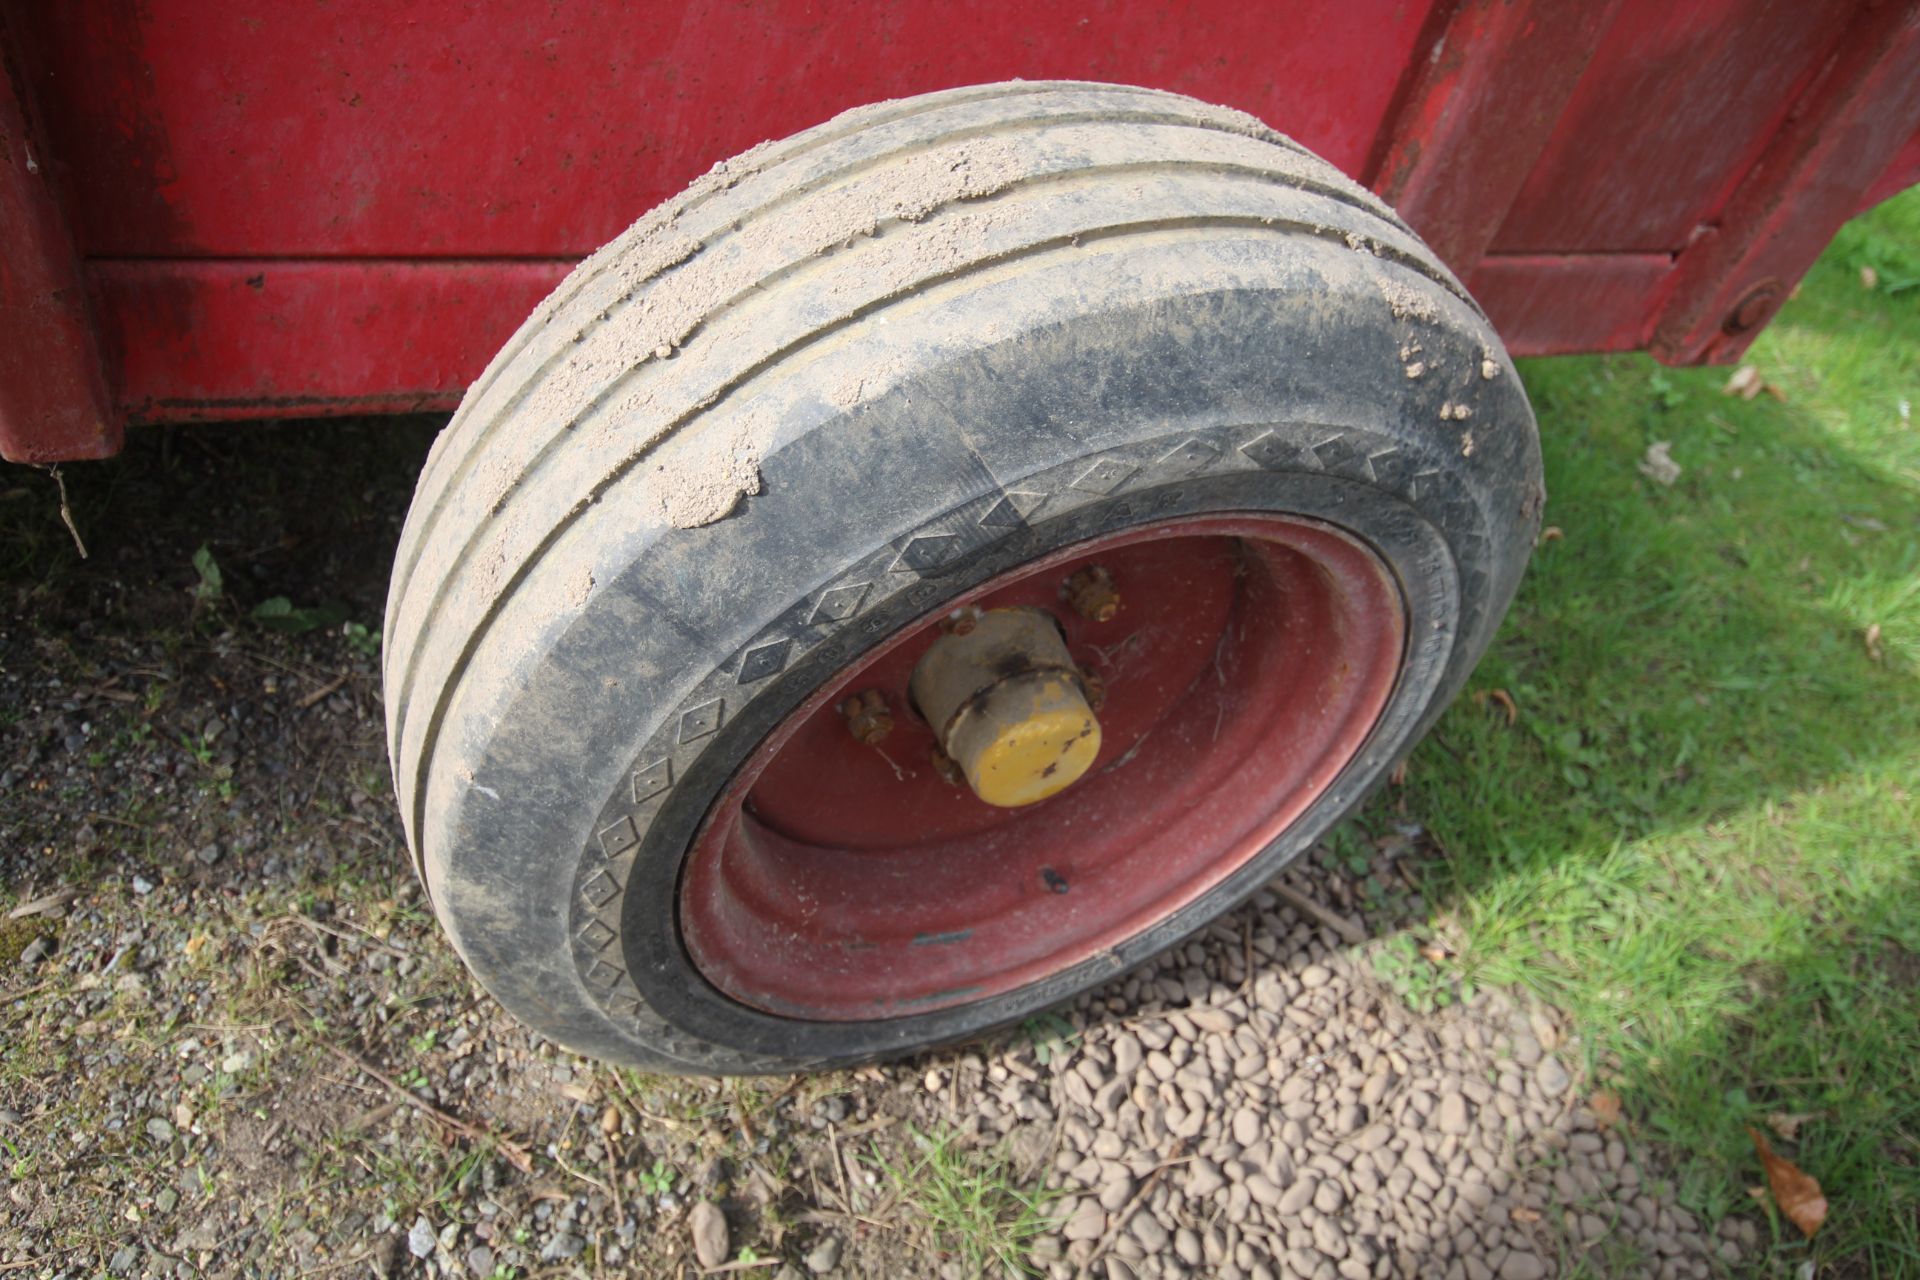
(1874, 649)
(1502, 699)
(1795, 1191)
(1523, 1214)
(1746, 382)
(1398, 777)
(1552, 533)
(1605, 1106)
(1787, 1126)
(1869, 278)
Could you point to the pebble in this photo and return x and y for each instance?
(1148, 1231)
(1452, 1116)
(825, 1256)
(1551, 1077)
(1522, 1266)
(420, 1238)
(1203, 1179)
(1088, 1221)
(708, 1226)
(1296, 1197)
(562, 1247)
(1329, 1198)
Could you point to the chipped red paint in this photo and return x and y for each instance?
(1251, 658)
(412, 175)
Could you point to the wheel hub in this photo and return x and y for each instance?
(1008, 705)
(843, 875)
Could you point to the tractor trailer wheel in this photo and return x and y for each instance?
(934, 564)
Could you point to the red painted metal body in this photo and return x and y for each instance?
(313, 207)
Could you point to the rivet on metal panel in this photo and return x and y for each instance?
(1092, 595)
(1755, 308)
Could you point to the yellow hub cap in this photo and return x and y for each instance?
(1008, 705)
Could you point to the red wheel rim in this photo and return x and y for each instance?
(836, 881)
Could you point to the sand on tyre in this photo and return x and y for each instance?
(932, 565)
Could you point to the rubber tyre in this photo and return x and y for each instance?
(839, 381)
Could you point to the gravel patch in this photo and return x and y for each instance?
(1295, 1118)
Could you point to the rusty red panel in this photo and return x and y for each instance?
(53, 399)
(1451, 175)
(1846, 133)
(525, 128)
(199, 340)
(1674, 110)
(1530, 299)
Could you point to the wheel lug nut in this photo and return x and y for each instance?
(1096, 688)
(868, 718)
(961, 621)
(945, 766)
(1091, 594)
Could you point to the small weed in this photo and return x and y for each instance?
(280, 614)
(658, 1180)
(1050, 1036)
(1421, 985)
(969, 1202)
(1666, 392)
(1348, 846)
(211, 585)
(362, 639)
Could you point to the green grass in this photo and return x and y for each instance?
(1702, 837)
(970, 1201)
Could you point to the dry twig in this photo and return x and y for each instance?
(516, 1155)
(1351, 933)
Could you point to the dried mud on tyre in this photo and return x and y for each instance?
(841, 383)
